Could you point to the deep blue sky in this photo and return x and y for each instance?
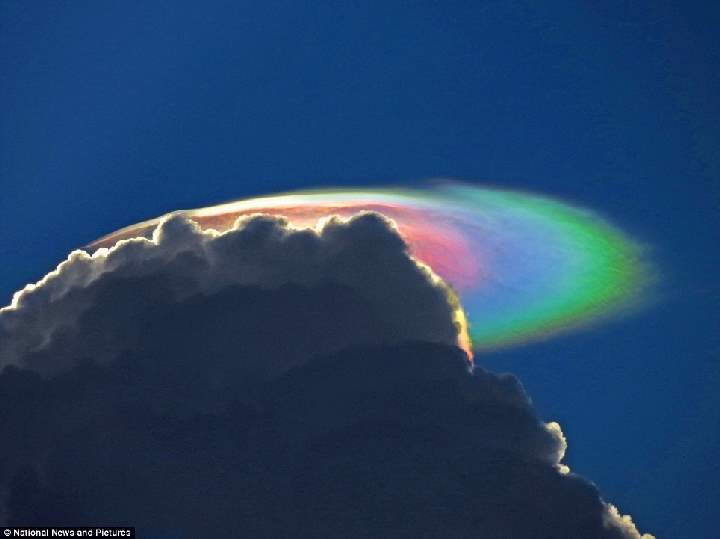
(112, 112)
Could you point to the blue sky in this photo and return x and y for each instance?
(114, 112)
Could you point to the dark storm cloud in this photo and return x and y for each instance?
(271, 383)
(96, 306)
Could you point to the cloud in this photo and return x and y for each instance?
(98, 305)
(271, 382)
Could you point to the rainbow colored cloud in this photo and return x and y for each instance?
(525, 266)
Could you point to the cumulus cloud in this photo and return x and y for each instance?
(91, 305)
(271, 382)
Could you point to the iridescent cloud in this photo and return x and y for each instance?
(525, 266)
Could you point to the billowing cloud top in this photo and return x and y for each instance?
(56, 320)
(272, 382)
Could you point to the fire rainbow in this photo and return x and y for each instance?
(526, 267)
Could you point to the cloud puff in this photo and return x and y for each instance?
(93, 305)
(270, 382)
